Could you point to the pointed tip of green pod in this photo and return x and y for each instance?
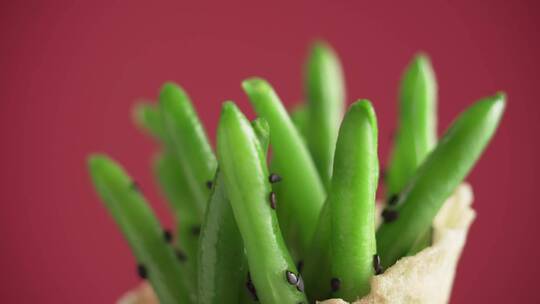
(170, 86)
(171, 93)
(100, 164)
(230, 116)
(229, 110)
(97, 161)
(495, 104)
(324, 73)
(322, 48)
(147, 118)
(256, 86)
(321, 51)
(364, 107)
(421, 64)
(230, 122)
(500, 97)
(228, 106)
(138, 112)
(104, 169)
(421, 58)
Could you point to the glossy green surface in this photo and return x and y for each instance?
(344, 244)
(168, 172)
(187, 141)
(222, 264)
(227, 224)
(140, 227)
(243, 164)
(352, 202)
(439, 175)
(301, 192)
(325, 91)
(188, 215)
(417, 131)
(299, 116)
(317, 265)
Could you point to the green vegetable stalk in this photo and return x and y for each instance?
(302, 192)
(244, 234)
(156, 259)
(352, 203)
(243, 164)
(326, 100)
(187, 141)
(417, 132)
(437, 177)
(343, 250)
(222, 264)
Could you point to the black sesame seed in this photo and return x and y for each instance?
(300, 284)
(251, 288)
(389, 215)
(273, 200)
(274, 178)
(209, 184)
(377, 264)
(335, 284)
(141, 271)
(300, 266)
(180, 255)
(167, 235)
(291, 277)
(392, 200)
(196, 230)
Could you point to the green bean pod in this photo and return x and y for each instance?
(352, 202)
(421, 243)
(301, 192)
(243, 164)
(148, 118)
(317, 265)
(222, 264)
(417, 132)
(325, 90)
(187, 213)
(438, 176)
(168, 172)
(141, 229)
(262, 131)
(299, 117)
(344, 242)
(187, 141)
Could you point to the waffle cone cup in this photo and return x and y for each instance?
(426, 277)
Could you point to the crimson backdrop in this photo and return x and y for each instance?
(70, 72)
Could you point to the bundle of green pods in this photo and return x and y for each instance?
(298, 224)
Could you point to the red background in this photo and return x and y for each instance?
(69, 73)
